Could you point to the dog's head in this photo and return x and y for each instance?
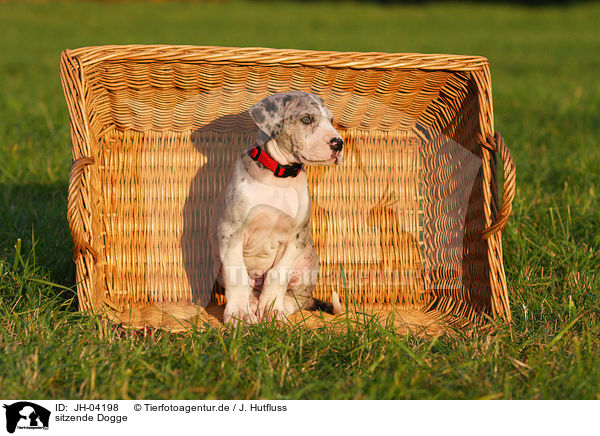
(301, 125)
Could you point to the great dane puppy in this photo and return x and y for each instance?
(262, 232)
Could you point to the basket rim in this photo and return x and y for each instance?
(274, 56)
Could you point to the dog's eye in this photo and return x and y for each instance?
(306, 119)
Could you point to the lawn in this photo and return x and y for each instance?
(545, 68)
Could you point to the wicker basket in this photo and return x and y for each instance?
(408, 221)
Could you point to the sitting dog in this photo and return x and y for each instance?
(261, 229)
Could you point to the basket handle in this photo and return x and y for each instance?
(75, 208)
(496, 143)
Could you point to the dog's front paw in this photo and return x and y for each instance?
(269, 309)
(254, 305)
(236, 312)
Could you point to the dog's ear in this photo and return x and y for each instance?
(268, 114)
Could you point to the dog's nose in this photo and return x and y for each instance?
(336, 143)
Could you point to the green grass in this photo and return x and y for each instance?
(545, 69)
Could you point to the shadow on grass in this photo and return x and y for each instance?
(38, 212)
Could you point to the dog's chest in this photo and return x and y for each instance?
(293, 201)
(274, 218)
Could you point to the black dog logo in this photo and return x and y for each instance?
(31, 413)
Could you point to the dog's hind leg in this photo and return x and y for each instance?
(299, 298)
(334, 308)
(303, 283)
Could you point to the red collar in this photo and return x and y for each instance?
(278, 170)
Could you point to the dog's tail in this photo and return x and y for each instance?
(334, 308)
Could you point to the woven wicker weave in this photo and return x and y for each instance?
(409, 220)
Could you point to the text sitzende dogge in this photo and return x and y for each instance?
(113, 414)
